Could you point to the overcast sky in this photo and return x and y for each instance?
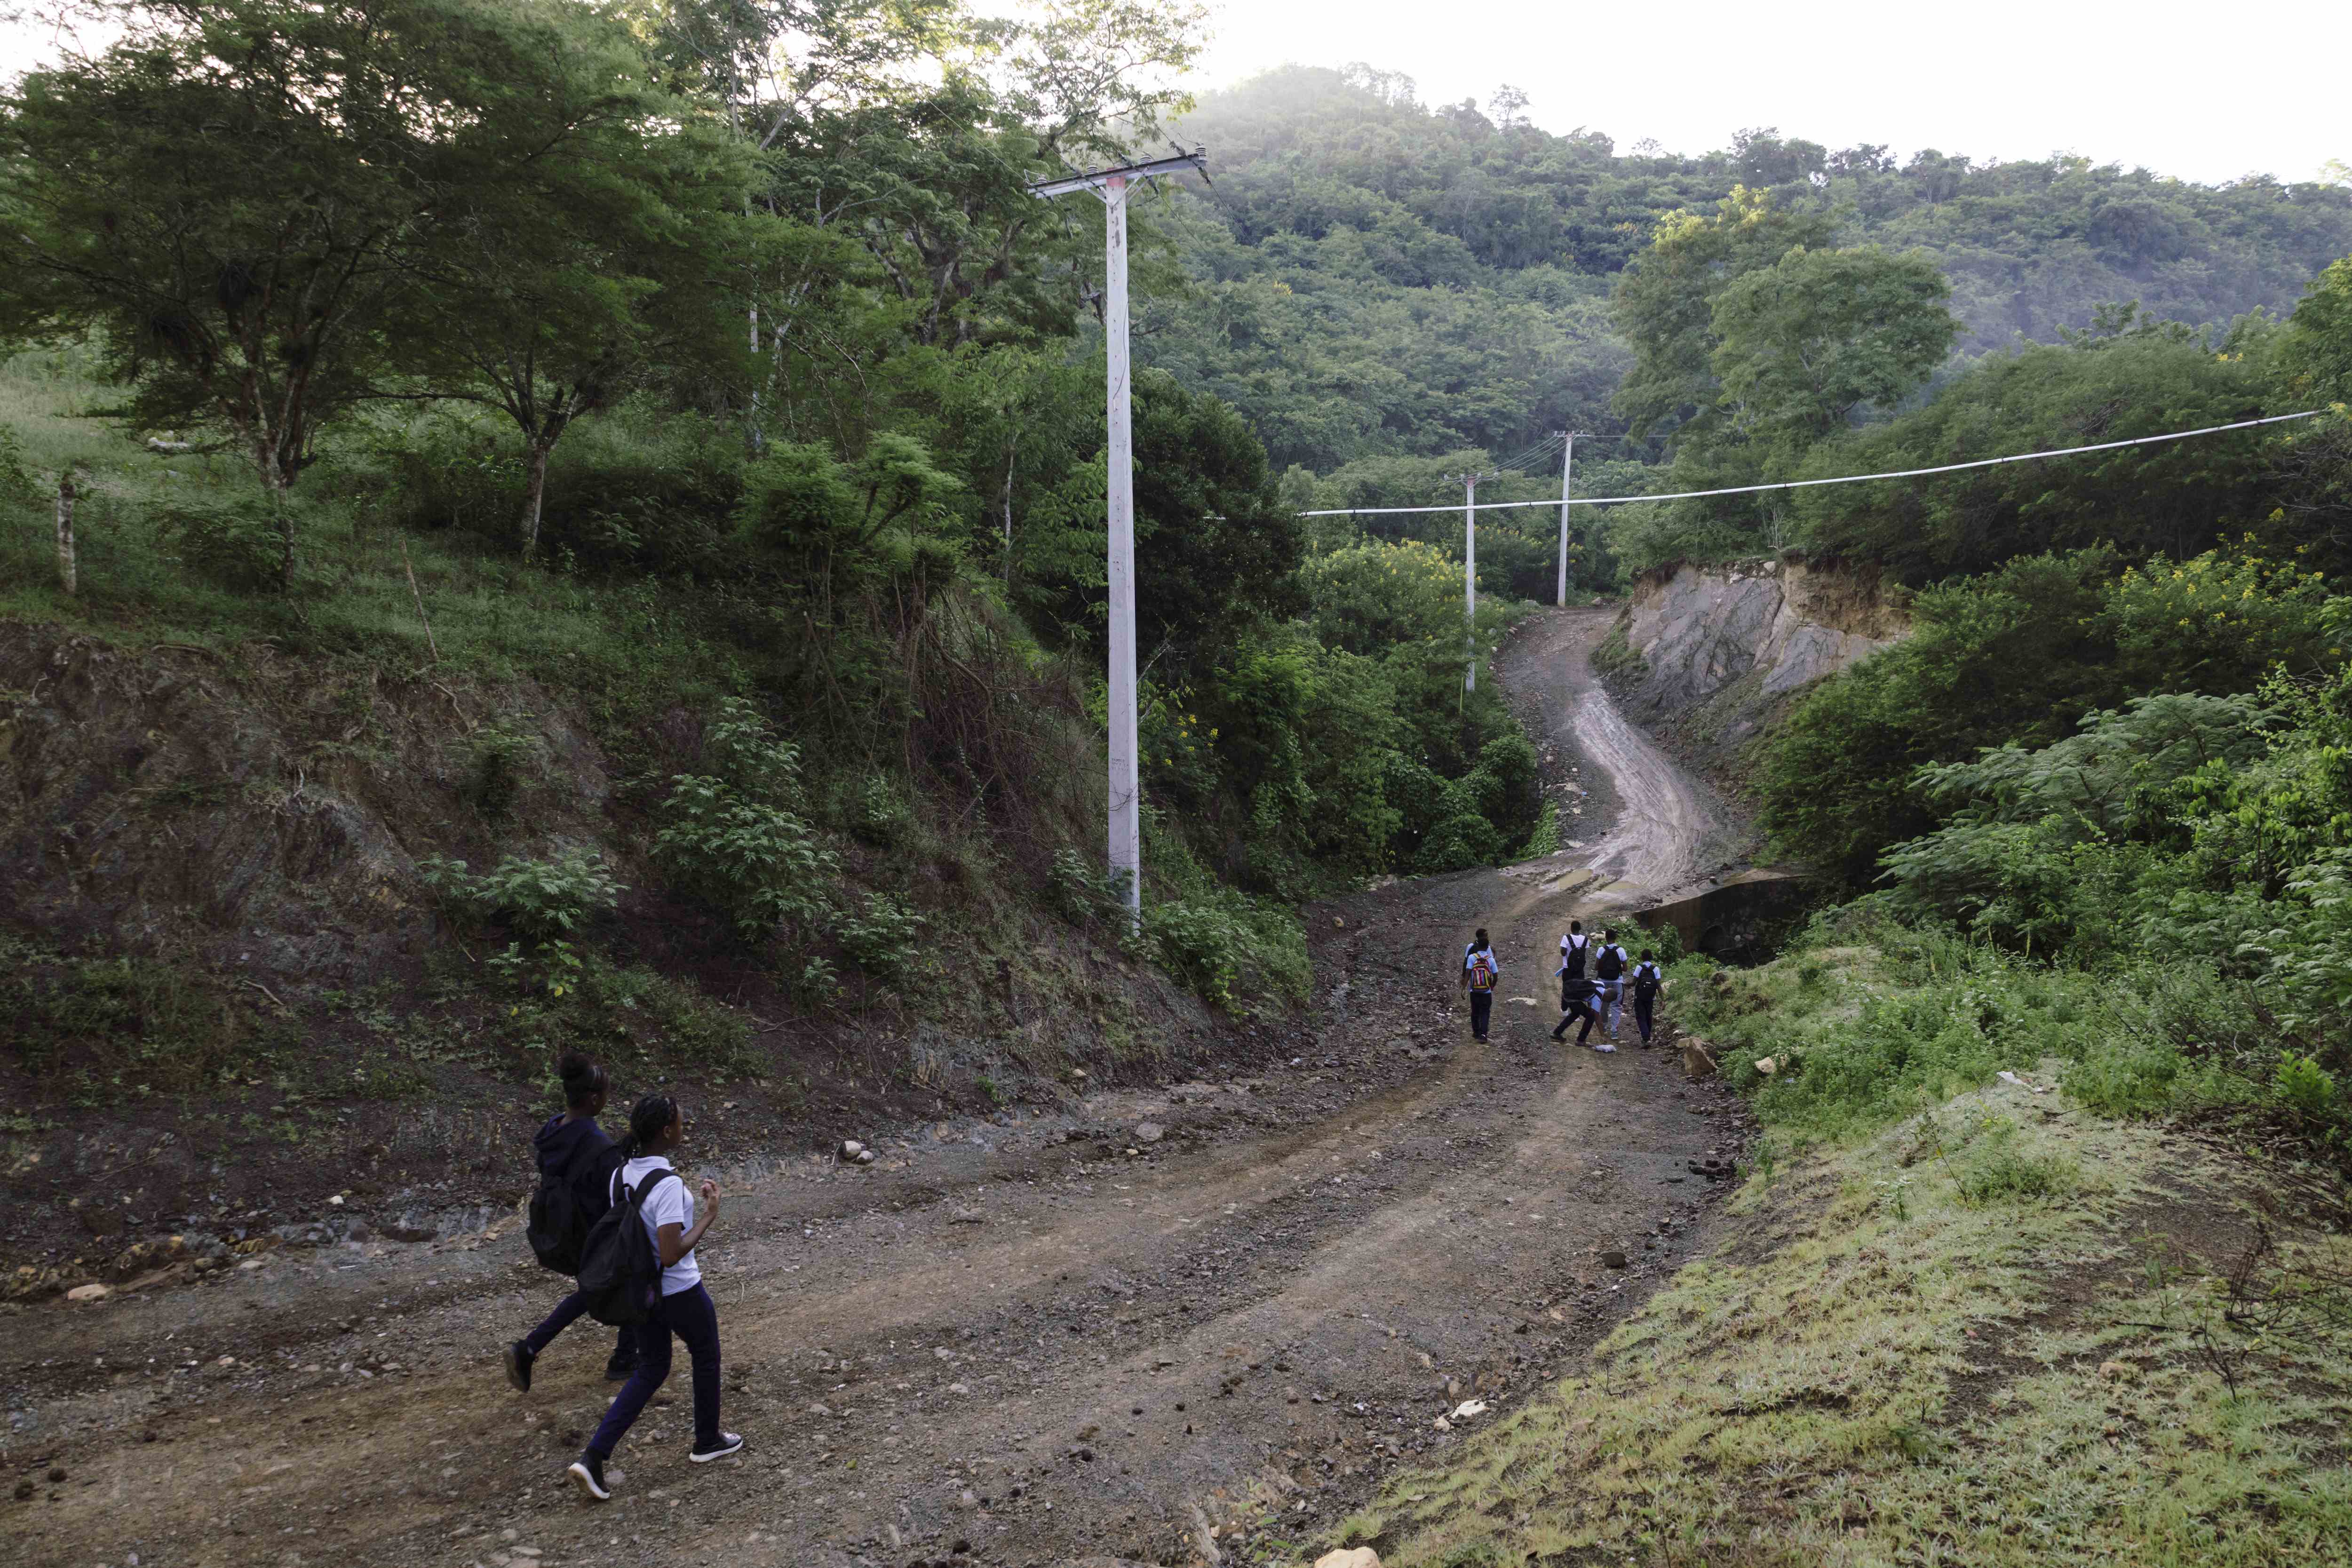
(2200, 92)
(2203, 93)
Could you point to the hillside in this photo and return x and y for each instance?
(1375, 276)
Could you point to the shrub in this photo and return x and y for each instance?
(502, 759)
(737, 838)
(1224, 945)
(540, 900)
(883, 939)
(233, 539)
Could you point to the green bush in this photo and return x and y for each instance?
(884, 938)
(738, 836)
(538, 900)
(232, 540)
(503, 759)
(1226, 946)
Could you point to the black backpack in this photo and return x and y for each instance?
(1646, 980)
(1612, 962)
(556, 1228)
(1572, 961)
(620, 1272)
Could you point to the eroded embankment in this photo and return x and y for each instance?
(1711, 656)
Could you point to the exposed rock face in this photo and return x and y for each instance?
(1701, 629)
(1710, 657)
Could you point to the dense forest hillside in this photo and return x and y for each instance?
(1377, 276)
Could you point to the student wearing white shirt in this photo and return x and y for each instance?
(1610, 963)
(656, 1127)
(1480, 972)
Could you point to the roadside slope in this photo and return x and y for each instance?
(1048, 1337)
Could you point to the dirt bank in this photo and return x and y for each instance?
(1036, 1338)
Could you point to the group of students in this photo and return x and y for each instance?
(585, 1180)
(1597, 998)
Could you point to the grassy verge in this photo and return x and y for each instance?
(1980, 1336)
(1962, 1319)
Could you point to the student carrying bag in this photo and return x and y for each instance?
(620, 1272)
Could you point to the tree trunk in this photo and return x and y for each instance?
(274, 480)
(536, 493)
(68, 578)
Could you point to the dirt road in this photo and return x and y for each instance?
(1184, 1326)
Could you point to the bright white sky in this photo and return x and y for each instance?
(2205, 95)
(2201, 93)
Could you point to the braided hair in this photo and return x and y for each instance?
(651, 1117)
(583, 1080)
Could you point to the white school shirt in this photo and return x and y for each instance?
(1578, 943)
(668, 1204)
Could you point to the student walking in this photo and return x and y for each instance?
(576, 1160)
(1574, 949)
(1648, 981)
(683, 1307)
(1480, 971)
(1576, 1002)
(1609, 962)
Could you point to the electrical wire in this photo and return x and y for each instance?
(1839, 479)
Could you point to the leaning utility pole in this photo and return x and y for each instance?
(1126, 781)
(1567, 464)
(1470, 572)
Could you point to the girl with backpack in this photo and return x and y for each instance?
(1648, 981)
(1480, 971)
(681, 1307)
(1574, 949)
(1609, 962)
(575, 1166)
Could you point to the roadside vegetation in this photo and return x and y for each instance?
(523, 499)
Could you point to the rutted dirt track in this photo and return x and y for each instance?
(1033, 1340)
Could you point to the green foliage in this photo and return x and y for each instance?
(2134, 376)
(1226, 946)
(883, 938)
(232, 540)
(502, 761)
(2316, 351)
(1805, 344)
(628, 1017)
(2017, 657)
(540, 900)
(133, 1023)
(1370, 597)
(738, 836)
(17, 484)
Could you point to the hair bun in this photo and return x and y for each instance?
(574, 1068)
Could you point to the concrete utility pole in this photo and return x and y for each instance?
(1126, 781)
(1470, 572)
(1567, 464)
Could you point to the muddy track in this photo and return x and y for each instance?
(1032, 1340)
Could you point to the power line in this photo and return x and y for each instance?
(1839, 479)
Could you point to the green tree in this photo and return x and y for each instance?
(1806, 343)
(2316, 349)
(243, 195)
(628, 249)
(1665, 304)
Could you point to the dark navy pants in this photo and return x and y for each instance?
(1644, 1013)
(1482, 1007)
(567, 1312)
(692, 1315)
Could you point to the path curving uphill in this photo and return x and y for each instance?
(1158, 1326)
